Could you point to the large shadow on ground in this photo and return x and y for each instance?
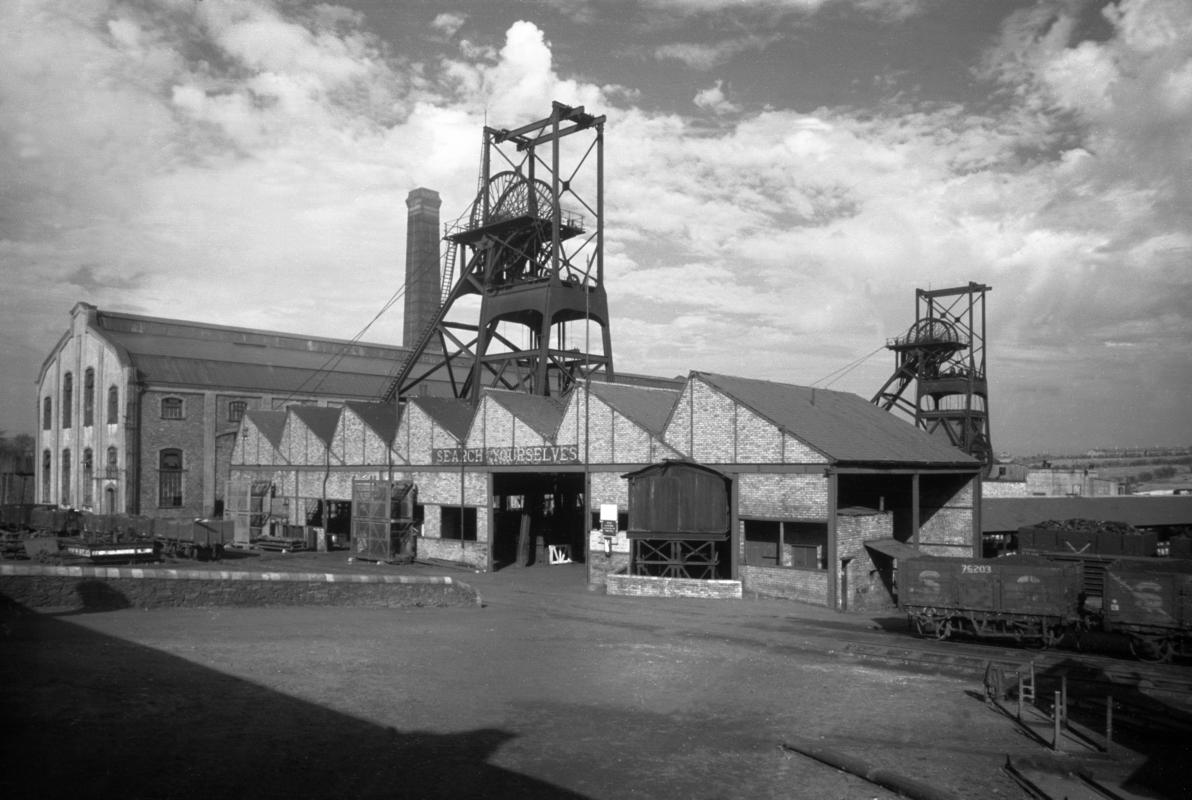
(87, 715)
(1158, 731)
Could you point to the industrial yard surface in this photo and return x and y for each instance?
(548, 690)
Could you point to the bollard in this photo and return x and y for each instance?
(1064, 697)
(1055, 723)
(1109, 724)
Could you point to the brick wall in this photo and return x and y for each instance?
(783, 495)
(186, 434)
(643, 586)
(804, 585)
(869, 577)
(99, 588)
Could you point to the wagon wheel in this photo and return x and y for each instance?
(943, 629)
(1153, 650)
(920, 623)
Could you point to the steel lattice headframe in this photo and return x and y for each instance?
(943, 354)
(531, 247)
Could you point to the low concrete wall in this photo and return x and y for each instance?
(645, 586)
(102, 588)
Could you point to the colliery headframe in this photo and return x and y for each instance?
(943, 355)
(531, 247)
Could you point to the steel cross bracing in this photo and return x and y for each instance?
(530, 247)
(943, 354)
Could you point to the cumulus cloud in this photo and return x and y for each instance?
(715, 99)
(706, 56)
(247, 163)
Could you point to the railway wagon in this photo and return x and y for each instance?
(1024, 599)
(1151, 603)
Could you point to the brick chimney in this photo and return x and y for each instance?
(422, 263)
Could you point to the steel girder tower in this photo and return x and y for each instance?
(943, 354)
(532, 250)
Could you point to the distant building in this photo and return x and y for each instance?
(139, 414)
(1012, 480)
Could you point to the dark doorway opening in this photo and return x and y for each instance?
(538, 518)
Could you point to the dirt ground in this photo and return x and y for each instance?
(549, 690)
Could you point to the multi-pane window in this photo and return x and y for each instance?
(774, 543)
(47, 414)
(113, 405)
(89, 397)
(169, 478)
(67, 396)
(171, 408)
(236, 410)
(88, 477)
(113, 467)
(458, 523)
(66, 477)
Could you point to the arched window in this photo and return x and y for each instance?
(171, 408)
(88, 477)
(88, 398)
(113, 405)
(47, 414)
(65, 493)
(46, 463)
(67, 393)
(169, 478)
(113, 467)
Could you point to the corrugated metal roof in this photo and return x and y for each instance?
(322, 421)
(840, 425)
(381, 417)
(1005, 514)
(454, 415)
(178, 353)
(175, 371)
(648, 407)
(271, 424)
(543, 414)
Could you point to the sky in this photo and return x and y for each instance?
(780, 177)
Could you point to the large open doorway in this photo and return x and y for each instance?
(538, 518)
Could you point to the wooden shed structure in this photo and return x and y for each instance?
(680, 520)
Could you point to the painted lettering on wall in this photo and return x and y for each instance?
(506, 456)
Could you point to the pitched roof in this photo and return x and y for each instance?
(180, 353)
(271, 424)
(455, 416)
(381, 417)
(543, 414)
(648, 407)
(840, 425)
(321, 421)
(1001, 514)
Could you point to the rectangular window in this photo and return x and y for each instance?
(236, 410)
(786, 543)
(171, 408)
(457, 525)
(169, 479)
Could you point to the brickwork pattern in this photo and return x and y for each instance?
(99, 588)
(783, 496)
(806, 586)
(644, 586)
(185, 434)
(472, 554)
(866, 584)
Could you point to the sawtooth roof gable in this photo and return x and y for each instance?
(380, 417)
(542, 414)
(648, 407)
(454, 416)
(321, 421)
